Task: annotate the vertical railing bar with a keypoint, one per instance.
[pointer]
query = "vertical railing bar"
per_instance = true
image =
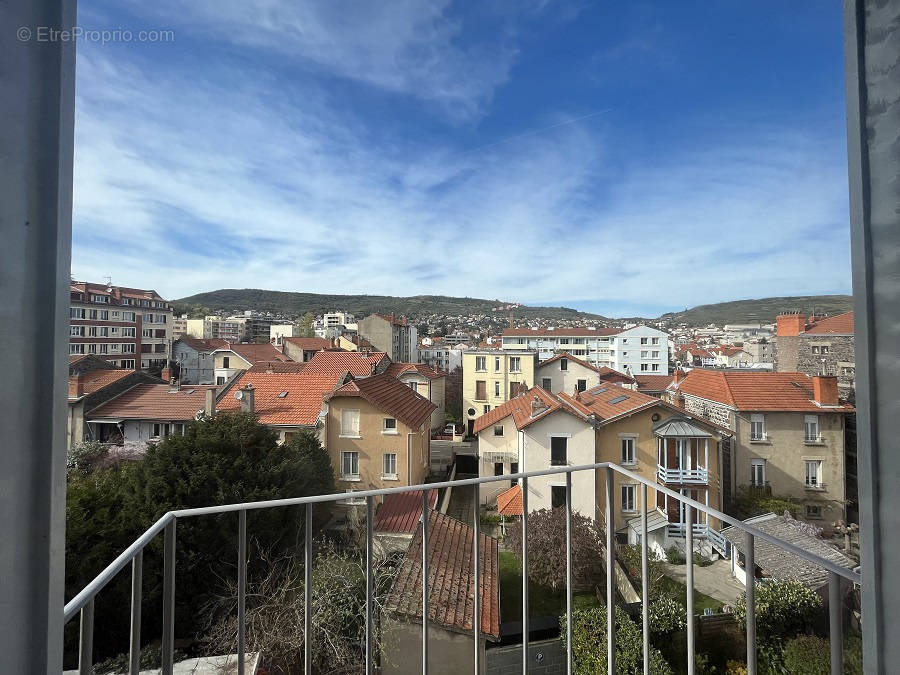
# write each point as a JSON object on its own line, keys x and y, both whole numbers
{"x": 134, "y": 645}
{"x": 610, "y": 576}
{"x": 307, "y": 591}
{"x": 425, "y": 516}
{"x": 569, "y": 573}
{"x": 836, "y": 628}
{"x": 689, "y": 560}
{"x": 86, "y": 640}
{"x": 370, "y": 581}
{"x": 476, "y": 564}
{"x": 525, "y": 575}
{"x": 167, "y": 656}
{"x": 241, "y": 589}
{"x": 750, "y": 573}
{"x": 645, "y": 580}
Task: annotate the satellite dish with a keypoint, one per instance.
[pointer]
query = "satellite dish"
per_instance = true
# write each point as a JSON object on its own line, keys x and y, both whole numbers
{"x": 239, "y": 394}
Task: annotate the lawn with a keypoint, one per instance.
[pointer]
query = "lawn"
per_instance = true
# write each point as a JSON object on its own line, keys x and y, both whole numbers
{"x": 677, "y": 589}
{"x": 542, "y": 600}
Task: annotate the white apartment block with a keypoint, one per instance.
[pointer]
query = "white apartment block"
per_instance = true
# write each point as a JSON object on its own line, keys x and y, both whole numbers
{"x": 642, "y": 349}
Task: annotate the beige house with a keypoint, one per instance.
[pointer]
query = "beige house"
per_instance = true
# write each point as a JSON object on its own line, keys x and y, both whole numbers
{"x": 427, "y": 381}
{"x": 566, "y": 373}
{"x": 302, "y": 349}
{"x": 230, "y": 359}
{"x": 492, "y": 377}
{"x": 378, "y": 433}
{"x": 788, "y": 430}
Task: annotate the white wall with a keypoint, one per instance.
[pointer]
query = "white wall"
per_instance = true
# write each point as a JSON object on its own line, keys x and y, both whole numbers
{"x": 628, "y": 351}
{"x": 565, "y": 380}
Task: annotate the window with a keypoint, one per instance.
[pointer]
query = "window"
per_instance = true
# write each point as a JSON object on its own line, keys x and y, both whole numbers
{"x": 76, "y": 312}
{"x": 76, "y": 331}
{"x": 158, "y": 430}
{"x": 100, "y": 298}
{"x": 624, "y": 341}
{"x": 498, "y": 431}
{"x": 582, "y": 385}
{"x": 564, "y": 364}
{"x": 814, "y": 473}
{"x": 390, "y": 425}
{"x": 654, "y": 366}
{"x": 349, "y": 422}
{"x": 390, "y": 465}
{"x": 515, "y": 364}
{"x": 557, "y": 496}
{"x": 758, "y": 472}
{"x": 811, "y": 428}
{"x": 128, "y": 332}
{"x": 414, "y": 386}
{"x": 558, "y": 446}
{"x": 643, "y": 341}
{"x": 226, "y": 361}
{"x": 545, "y": 383}
{"x": 127, "y": 316}
{"x": 480, "y": 363}
{"x": 497, "y": 388}
{"x": 128, "y": 363}
{"x": 76, "y": 348}
{"x": 496, "y": 364}
{"x": 498, "y": 468}
{"x": 627, "y": 445}
{"x": 655, "y": 341}
{"x": 514, "y": 467}
{"x": 486, "y": 409}
{"x": 628, "y": 498}
{"x": 128, "y": 348}
{"x": 480, "y": 390}
{"x": 644, "y": 353}
{"x": 220, "y": 380}
{"x": 757, "y": 427}
{"x": 813, "y": 511}
{"x": 178, "y": 429}
{"x": 624, "y": 354}
{"x": 820, "y": 349}
{"x": 350, "y": 465}
{"x": 645, "y": 367}
{"x": 655, "y": 355}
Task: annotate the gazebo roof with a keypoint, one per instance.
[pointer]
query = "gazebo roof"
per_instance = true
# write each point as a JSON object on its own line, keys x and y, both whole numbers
{"x": 679, "y": 427}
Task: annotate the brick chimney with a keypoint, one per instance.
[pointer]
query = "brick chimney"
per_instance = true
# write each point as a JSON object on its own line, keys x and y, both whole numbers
{"x": 76, "y": 386}
{"x": 166, "y": 374}
{"x": 248, "y": 404}
{"x": 825, "y": 389}
{"x": 677, "y": 376}
{"x": 790, "y": 324}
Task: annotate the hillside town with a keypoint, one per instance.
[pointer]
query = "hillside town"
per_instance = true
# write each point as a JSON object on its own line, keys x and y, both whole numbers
{"x": 752, "y": 420}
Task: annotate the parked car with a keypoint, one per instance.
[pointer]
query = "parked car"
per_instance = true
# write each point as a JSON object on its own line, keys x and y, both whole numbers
{"x": 451, "y": 429}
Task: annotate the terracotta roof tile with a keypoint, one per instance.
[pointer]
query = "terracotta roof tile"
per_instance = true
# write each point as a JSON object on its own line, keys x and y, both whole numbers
{"x": 432, "y": 373}
{"x": 509, "y": 502}
{"x": 609, "y": 401}
{"x": 521, "y": 409}
{"x": 358, "y": 364}
{"x": 201, "y": 345}
{"x": 745, "y": 390}
{"x": 451, "y": 583}
{"x": 94, "y": 380}
{"x": 401, "y": 512}
{"x": 277, "y": 367}
{"x": 154, "y": 402}
{"x": 566, "y": 355}
{"x": 841, "y": 324}
{"x": 389, "y": 394}
{"x": 310, "y": 344}
{"x": 300, "y": 407}
{"x": 254, "y": 353}
{"x": 653, "y": 382}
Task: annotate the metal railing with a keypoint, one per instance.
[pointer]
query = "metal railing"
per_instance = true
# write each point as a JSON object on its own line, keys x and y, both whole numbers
{"x": 679, "y": 530}
{"x": 83, "y": 602}
{"x": 698, "y": 475}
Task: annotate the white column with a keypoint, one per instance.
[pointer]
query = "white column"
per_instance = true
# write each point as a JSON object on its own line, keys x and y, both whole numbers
{"x": 706, "y": 453}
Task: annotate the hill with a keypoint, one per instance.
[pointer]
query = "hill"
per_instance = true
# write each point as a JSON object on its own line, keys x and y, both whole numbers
{"x": 763, "y": 310}
{"x": 229, "y": 300}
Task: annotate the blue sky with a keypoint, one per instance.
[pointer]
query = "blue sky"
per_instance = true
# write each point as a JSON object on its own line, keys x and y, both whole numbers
{"x": 623, "y": 158}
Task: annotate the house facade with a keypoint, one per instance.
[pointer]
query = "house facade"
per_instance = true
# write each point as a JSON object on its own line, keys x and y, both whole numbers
{"x": 302, "y": 349}
{"x": 818, "y": 346}
{"x": 567, "y": 373}
{"x": 194, "y": 359}
{"x": 427, "y": 381}
{"x": 491, "y": 377}
{"x": 390, "y": 334}
{"x": 230, "y": 359}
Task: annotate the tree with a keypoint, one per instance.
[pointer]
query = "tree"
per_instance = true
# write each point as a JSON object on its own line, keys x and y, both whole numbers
{"x": 227, "y": 459}
{"x": 749, "y": 504}
{"x": 589, "y": 644}
{"x": 305, "y": 326}
{"x": 547, "y": 547}
{"x": 453, "y": 394}
{"x": 784, "y": 608}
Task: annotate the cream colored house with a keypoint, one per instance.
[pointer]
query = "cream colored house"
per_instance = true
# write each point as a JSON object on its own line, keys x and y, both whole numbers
{"x": 566, "y": 373}
{"x": 427, "y": 381}
{"x": 493, "y": 377}
{"x": 377, "y": 433}
{"x": 233, "y": 358}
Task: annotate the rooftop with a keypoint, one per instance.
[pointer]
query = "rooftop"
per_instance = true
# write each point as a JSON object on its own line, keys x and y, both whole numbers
{"x": 154, "y": 402}
{"x": 254, "y": 353}
{"x": 841, "y": 324}
{"x": 358, "y": 364}
{"x": 94, "y": 380}
{"x": 286, "y": 399}
{"x": 400, "y": 513}
{"x": 310, "y": 344}
{"x": 509, "y": 502}
{"x": 398, "y": 369}
{"x": 389, "y": 394}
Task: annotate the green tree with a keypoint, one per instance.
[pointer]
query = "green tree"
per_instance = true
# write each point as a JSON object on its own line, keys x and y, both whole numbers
{"x": 784, "y": 608}
{"x": 304, "y": 326}
{"x": 589, "y": 644}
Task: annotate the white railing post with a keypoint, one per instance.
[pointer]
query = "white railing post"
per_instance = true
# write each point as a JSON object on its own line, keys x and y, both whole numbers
{"x": 750, "y": 574}
{"x": 134, "y": 646}
{"x": 836, "y": 629}
{"x": 476, "y": 562}
{"x": 86, "y": 640}
{"x": 241, "y": 589}
{"x": 689, "y": 561}
{"x": 645, "y": 579}
{"x": 307, "y": 591}
{"x": 525, "y": 575}
{"x": 425, "y": 515}
{"x": 610, "y": 575}
{"x": 569, "y": 573}
{"x": 168, "y": 634}
{"x": 370, "y": 583}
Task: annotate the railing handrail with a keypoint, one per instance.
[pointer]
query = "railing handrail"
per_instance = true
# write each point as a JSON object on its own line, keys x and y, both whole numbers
{"x": 104, "y": 577}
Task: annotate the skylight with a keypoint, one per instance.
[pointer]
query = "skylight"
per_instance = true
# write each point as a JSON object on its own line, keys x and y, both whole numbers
{"x": 282, "y": 394}
{"x": 599, "y": 390}
{"x": 617, "y": 399}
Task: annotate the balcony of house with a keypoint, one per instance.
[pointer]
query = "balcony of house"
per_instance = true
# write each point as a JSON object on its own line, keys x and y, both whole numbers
{"x": 682, "y": 451}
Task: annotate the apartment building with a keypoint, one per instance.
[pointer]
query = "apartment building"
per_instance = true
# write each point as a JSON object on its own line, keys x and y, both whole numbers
{"x": 130, "y": 327}
{"x": 640, "y": 349}
{"x": 788, "y": 434}
{"x": 491, "y": 377}
{"x": 377, "y": 433}
{"x": 232, "y": 329}
{"x": 392, "y": 335}
{"x": 818, "y": 346}
{"x": 441, "y": 356}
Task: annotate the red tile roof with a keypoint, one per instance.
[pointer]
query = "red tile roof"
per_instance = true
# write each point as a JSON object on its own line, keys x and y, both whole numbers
{"x": 390, "y": 395}
{"x": 562, "y": 332}
{"x": 521, "y": 409}
{"x": 154, "y": 402}
{"x": 254, "y": 353}
{"x": 310, "y": 344}
{"x": 94, "y": 380}
{"x": 842, "y": 324}
{"x": 744, "y": 390}
{"x": 451, "y": 582}
{"x": 202, "y": 345}
{"x": 300, "y": 407}
{"x": 397, "y": 369}
{"x": 400, "y": 513}
{"x": 396, "y": 320}
{"x": 509, "y": 502}
{"x": 609, "y": 375}
{"x": 566, "y": 355}
{"x": 277, "y": 367}
{"x": 609, "y": 401}
{"x": 653, "y": 382}
{"x": 358, "y": 364}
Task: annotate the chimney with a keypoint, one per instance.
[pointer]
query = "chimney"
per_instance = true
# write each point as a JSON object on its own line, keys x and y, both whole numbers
{"x": 677, "y": 376}
{"x": 537, "y": 406}
{"x": 825, "y": 389}
{"x": 248, "y": 404}
{"x": 209, "y": 404}
{"x": 790, "y": 324}
{"x": 76, "y": 386}
{"x": 269, "y": 368}
{"x": 173, "y": 386}
{"x": 166, "y": 374}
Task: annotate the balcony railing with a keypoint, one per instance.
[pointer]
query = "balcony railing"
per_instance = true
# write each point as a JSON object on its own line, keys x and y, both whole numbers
{"x": 679, "y": 530}
{"x": 760, "y": 489}
{"x": 698, "y": 475}
{"x": 83, "y": 602}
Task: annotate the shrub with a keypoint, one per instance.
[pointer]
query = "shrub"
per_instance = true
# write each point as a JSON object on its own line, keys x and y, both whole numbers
{"x": 666, "y": 616}
{"x": 735, "y": 668}
{"x": 807, "y": 655}
{"x": 784, "y": 608}
{"x": 749, "y": 504}
{"x": 674, "y": 556}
